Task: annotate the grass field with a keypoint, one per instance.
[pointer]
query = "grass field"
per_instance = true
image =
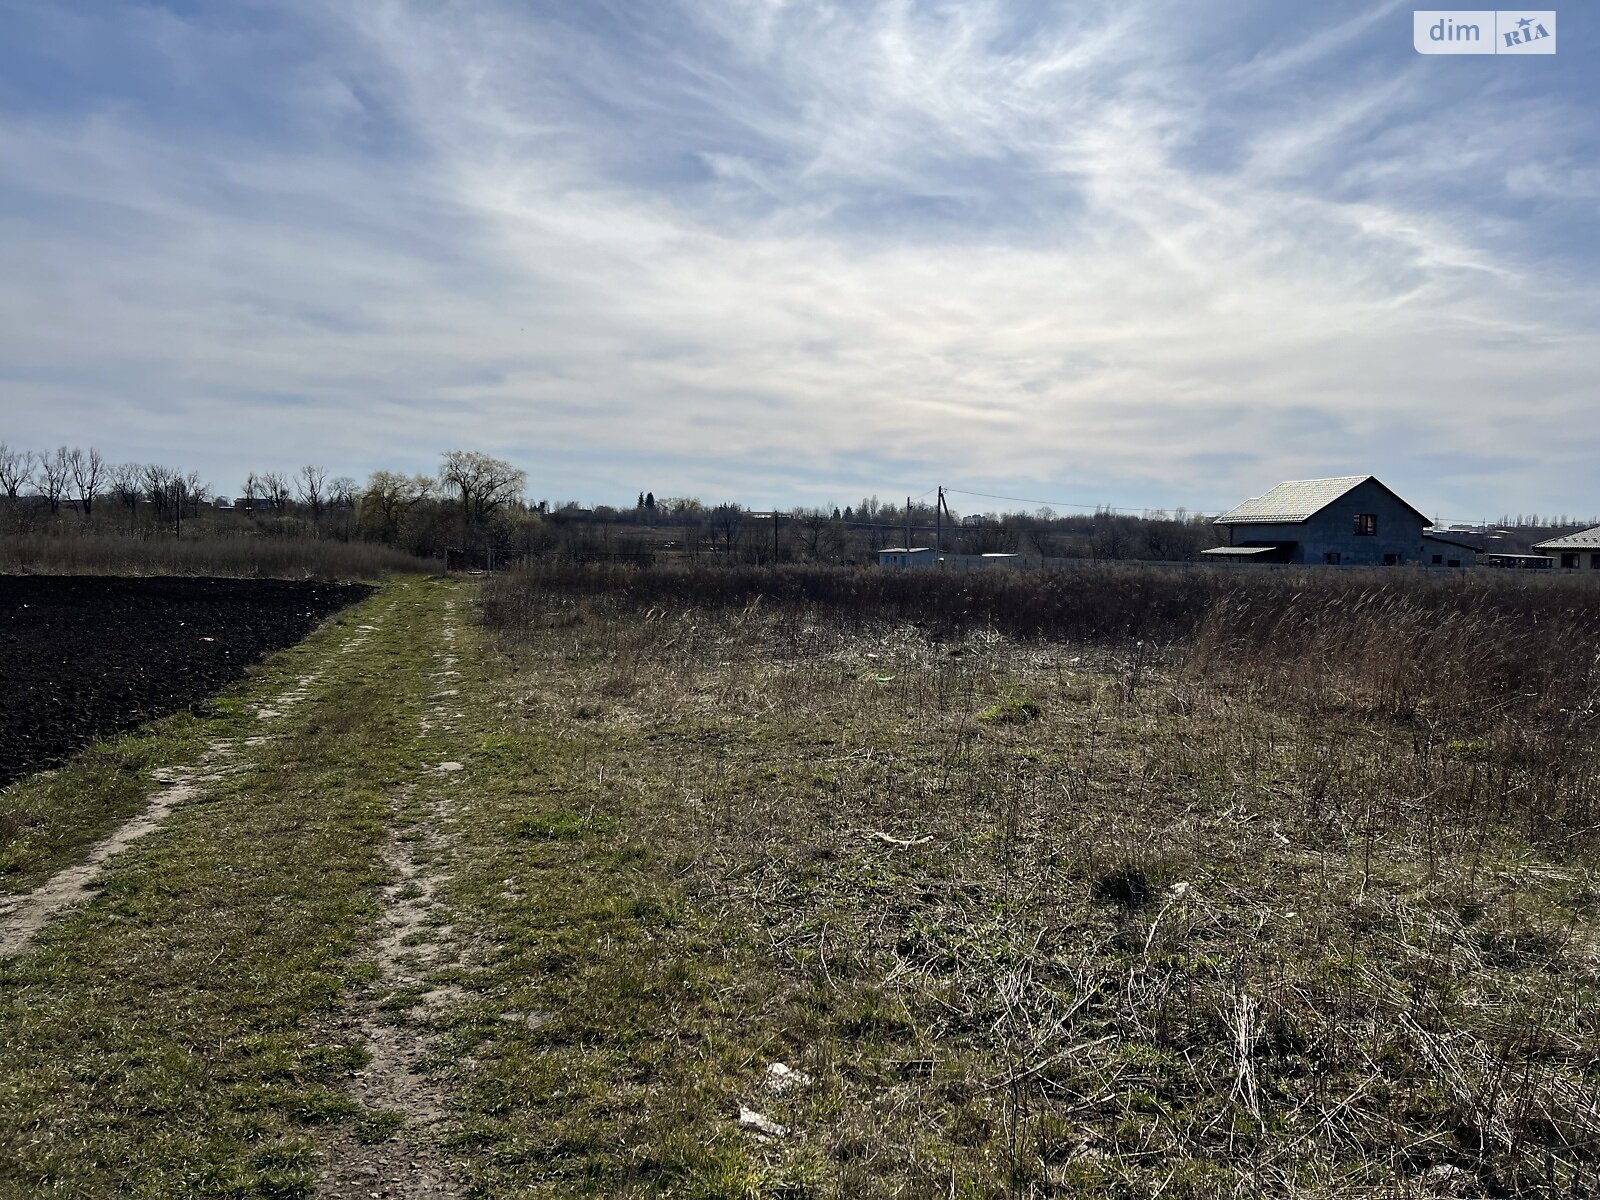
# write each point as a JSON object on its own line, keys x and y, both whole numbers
{"x": 539, "y": 908}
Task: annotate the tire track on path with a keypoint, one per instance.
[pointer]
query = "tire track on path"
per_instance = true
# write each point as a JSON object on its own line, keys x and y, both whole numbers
{"x": 392, "y": 1014}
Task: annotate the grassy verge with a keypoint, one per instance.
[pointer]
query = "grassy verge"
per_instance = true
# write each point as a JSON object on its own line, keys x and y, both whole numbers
{"x": 162, "y": 1040}
{"x": 50, "y": 820}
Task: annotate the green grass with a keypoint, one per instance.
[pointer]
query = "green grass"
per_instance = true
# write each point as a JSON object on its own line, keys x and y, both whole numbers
{"x": 172, "y": 1038}
{"x": 49, "y": 820}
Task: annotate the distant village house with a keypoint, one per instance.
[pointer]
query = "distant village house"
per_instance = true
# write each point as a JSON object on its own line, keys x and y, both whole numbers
{"x": 1349, "y": 520}
{"x": 1574, "y": 551}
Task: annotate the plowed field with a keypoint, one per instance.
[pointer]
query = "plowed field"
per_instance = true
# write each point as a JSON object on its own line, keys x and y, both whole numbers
{"x": 84, "y": 656}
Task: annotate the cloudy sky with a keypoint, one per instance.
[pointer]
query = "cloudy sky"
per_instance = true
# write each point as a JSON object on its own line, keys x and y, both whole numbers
{"x": 1145, "y": 253}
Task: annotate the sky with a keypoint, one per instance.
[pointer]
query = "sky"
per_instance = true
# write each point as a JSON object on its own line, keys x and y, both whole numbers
{"x": 1145, "y": 254}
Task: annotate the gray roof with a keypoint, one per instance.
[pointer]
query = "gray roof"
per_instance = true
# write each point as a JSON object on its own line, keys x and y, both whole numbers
{"x": 1298, "y": 500}
{"x": 1584, "y": 539}
{"x": 1430, "y": 536}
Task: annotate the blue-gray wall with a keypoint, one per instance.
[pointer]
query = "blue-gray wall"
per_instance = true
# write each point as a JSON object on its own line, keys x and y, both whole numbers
{"x": 1333, "y": 529}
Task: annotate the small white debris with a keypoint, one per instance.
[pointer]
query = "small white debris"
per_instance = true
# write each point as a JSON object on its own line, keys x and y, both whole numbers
{"x": 750, "y": 1119}
{"x": 781, "y": 1077}
{"x": 533, "y": 1020}
{"x": 1177, "y": 889}
{"x": 451, "y": 766}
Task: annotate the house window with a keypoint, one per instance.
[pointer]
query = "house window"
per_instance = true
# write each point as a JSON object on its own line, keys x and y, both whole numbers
{"x": 1455, "y": 562}
{"x": 1331, "y": 558}
{"x": 1569, "y": 562}
{"x": 1438, "y": 560}
{"x": 1366, "y": 524}
{"x": 1594, "y": 562}
{"x": 1391, "y": 560}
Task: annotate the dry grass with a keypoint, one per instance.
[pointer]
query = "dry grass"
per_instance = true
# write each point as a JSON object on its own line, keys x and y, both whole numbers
{"x": 224, "y": 557}
{"x": 1209, "y": 920}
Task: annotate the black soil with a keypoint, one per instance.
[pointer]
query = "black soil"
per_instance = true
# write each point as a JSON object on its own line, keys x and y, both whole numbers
{"x": 82, "y": 657}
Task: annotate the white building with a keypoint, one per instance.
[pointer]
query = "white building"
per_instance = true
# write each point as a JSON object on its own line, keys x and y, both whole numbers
{"x": 1574, "y": 551}
{"x": 902, "y": 557}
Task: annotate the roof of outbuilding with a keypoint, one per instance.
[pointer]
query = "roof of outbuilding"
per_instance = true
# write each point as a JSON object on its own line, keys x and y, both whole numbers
{"x": 1244, "y": 551}
{"x": 1452, "y": 541}
{"x": 1299, "y": 500}
{"x": 1584, "y": 539}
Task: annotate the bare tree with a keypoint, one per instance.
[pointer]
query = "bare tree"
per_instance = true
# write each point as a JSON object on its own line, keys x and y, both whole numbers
{"x": 275, "y": 487}
{"x": 51, "y": 478}
{"x": 1110, "y": 538}
{"x": 88, "y": 468}
{"x": 159, "y": 488}
{"x": 482, "y": 484}
{"x": 821, "y": 535}
{"x": 342, "y": 492}
{"x": 311, "y": 487}
{"x": 726, "y": 521}
{"x": 193, "y": 492}
{"x": 16, "y": 469}
{"x": 389, "y": 496}
{"x": 252, "y": 491}
{"x": 127, "y": 485}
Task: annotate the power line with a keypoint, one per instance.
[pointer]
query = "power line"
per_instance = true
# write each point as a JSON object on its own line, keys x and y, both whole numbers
{"x": 1077, "y": 504}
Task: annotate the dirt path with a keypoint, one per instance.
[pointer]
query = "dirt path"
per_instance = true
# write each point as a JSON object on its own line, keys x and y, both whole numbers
{"x": 392, "y": 1016}
{"x": 23, "y": 916}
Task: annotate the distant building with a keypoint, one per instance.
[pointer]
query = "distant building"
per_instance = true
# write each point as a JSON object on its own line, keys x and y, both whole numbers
{"x": 1448, "y": 550}
{"x": 902, "y": 557}
{"x": 1574, "y": 551}
{"x": 1349, "y": 520}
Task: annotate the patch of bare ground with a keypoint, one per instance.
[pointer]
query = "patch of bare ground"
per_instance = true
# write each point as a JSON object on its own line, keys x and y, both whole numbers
{"x": 398, "y": 1148}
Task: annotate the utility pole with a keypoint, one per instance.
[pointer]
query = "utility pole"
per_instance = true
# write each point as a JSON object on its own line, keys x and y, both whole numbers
{"x": 938, "y": 527}
{"x": 908, "y": 522}
{"x": 774, "y": 537}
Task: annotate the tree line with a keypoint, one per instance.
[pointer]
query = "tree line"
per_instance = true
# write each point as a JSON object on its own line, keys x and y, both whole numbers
{"x": 473, "y": 499}
{"x": 478, "y": 504}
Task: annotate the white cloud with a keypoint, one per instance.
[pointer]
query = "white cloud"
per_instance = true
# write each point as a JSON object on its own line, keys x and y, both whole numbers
{"x": 765, "y": 244}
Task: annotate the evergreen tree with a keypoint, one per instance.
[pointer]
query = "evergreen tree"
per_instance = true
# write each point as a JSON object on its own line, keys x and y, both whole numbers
{"x": 650, "y": 501}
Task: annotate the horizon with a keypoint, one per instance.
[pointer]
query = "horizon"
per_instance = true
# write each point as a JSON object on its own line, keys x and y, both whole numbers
{"x": 1131, "y": 257}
